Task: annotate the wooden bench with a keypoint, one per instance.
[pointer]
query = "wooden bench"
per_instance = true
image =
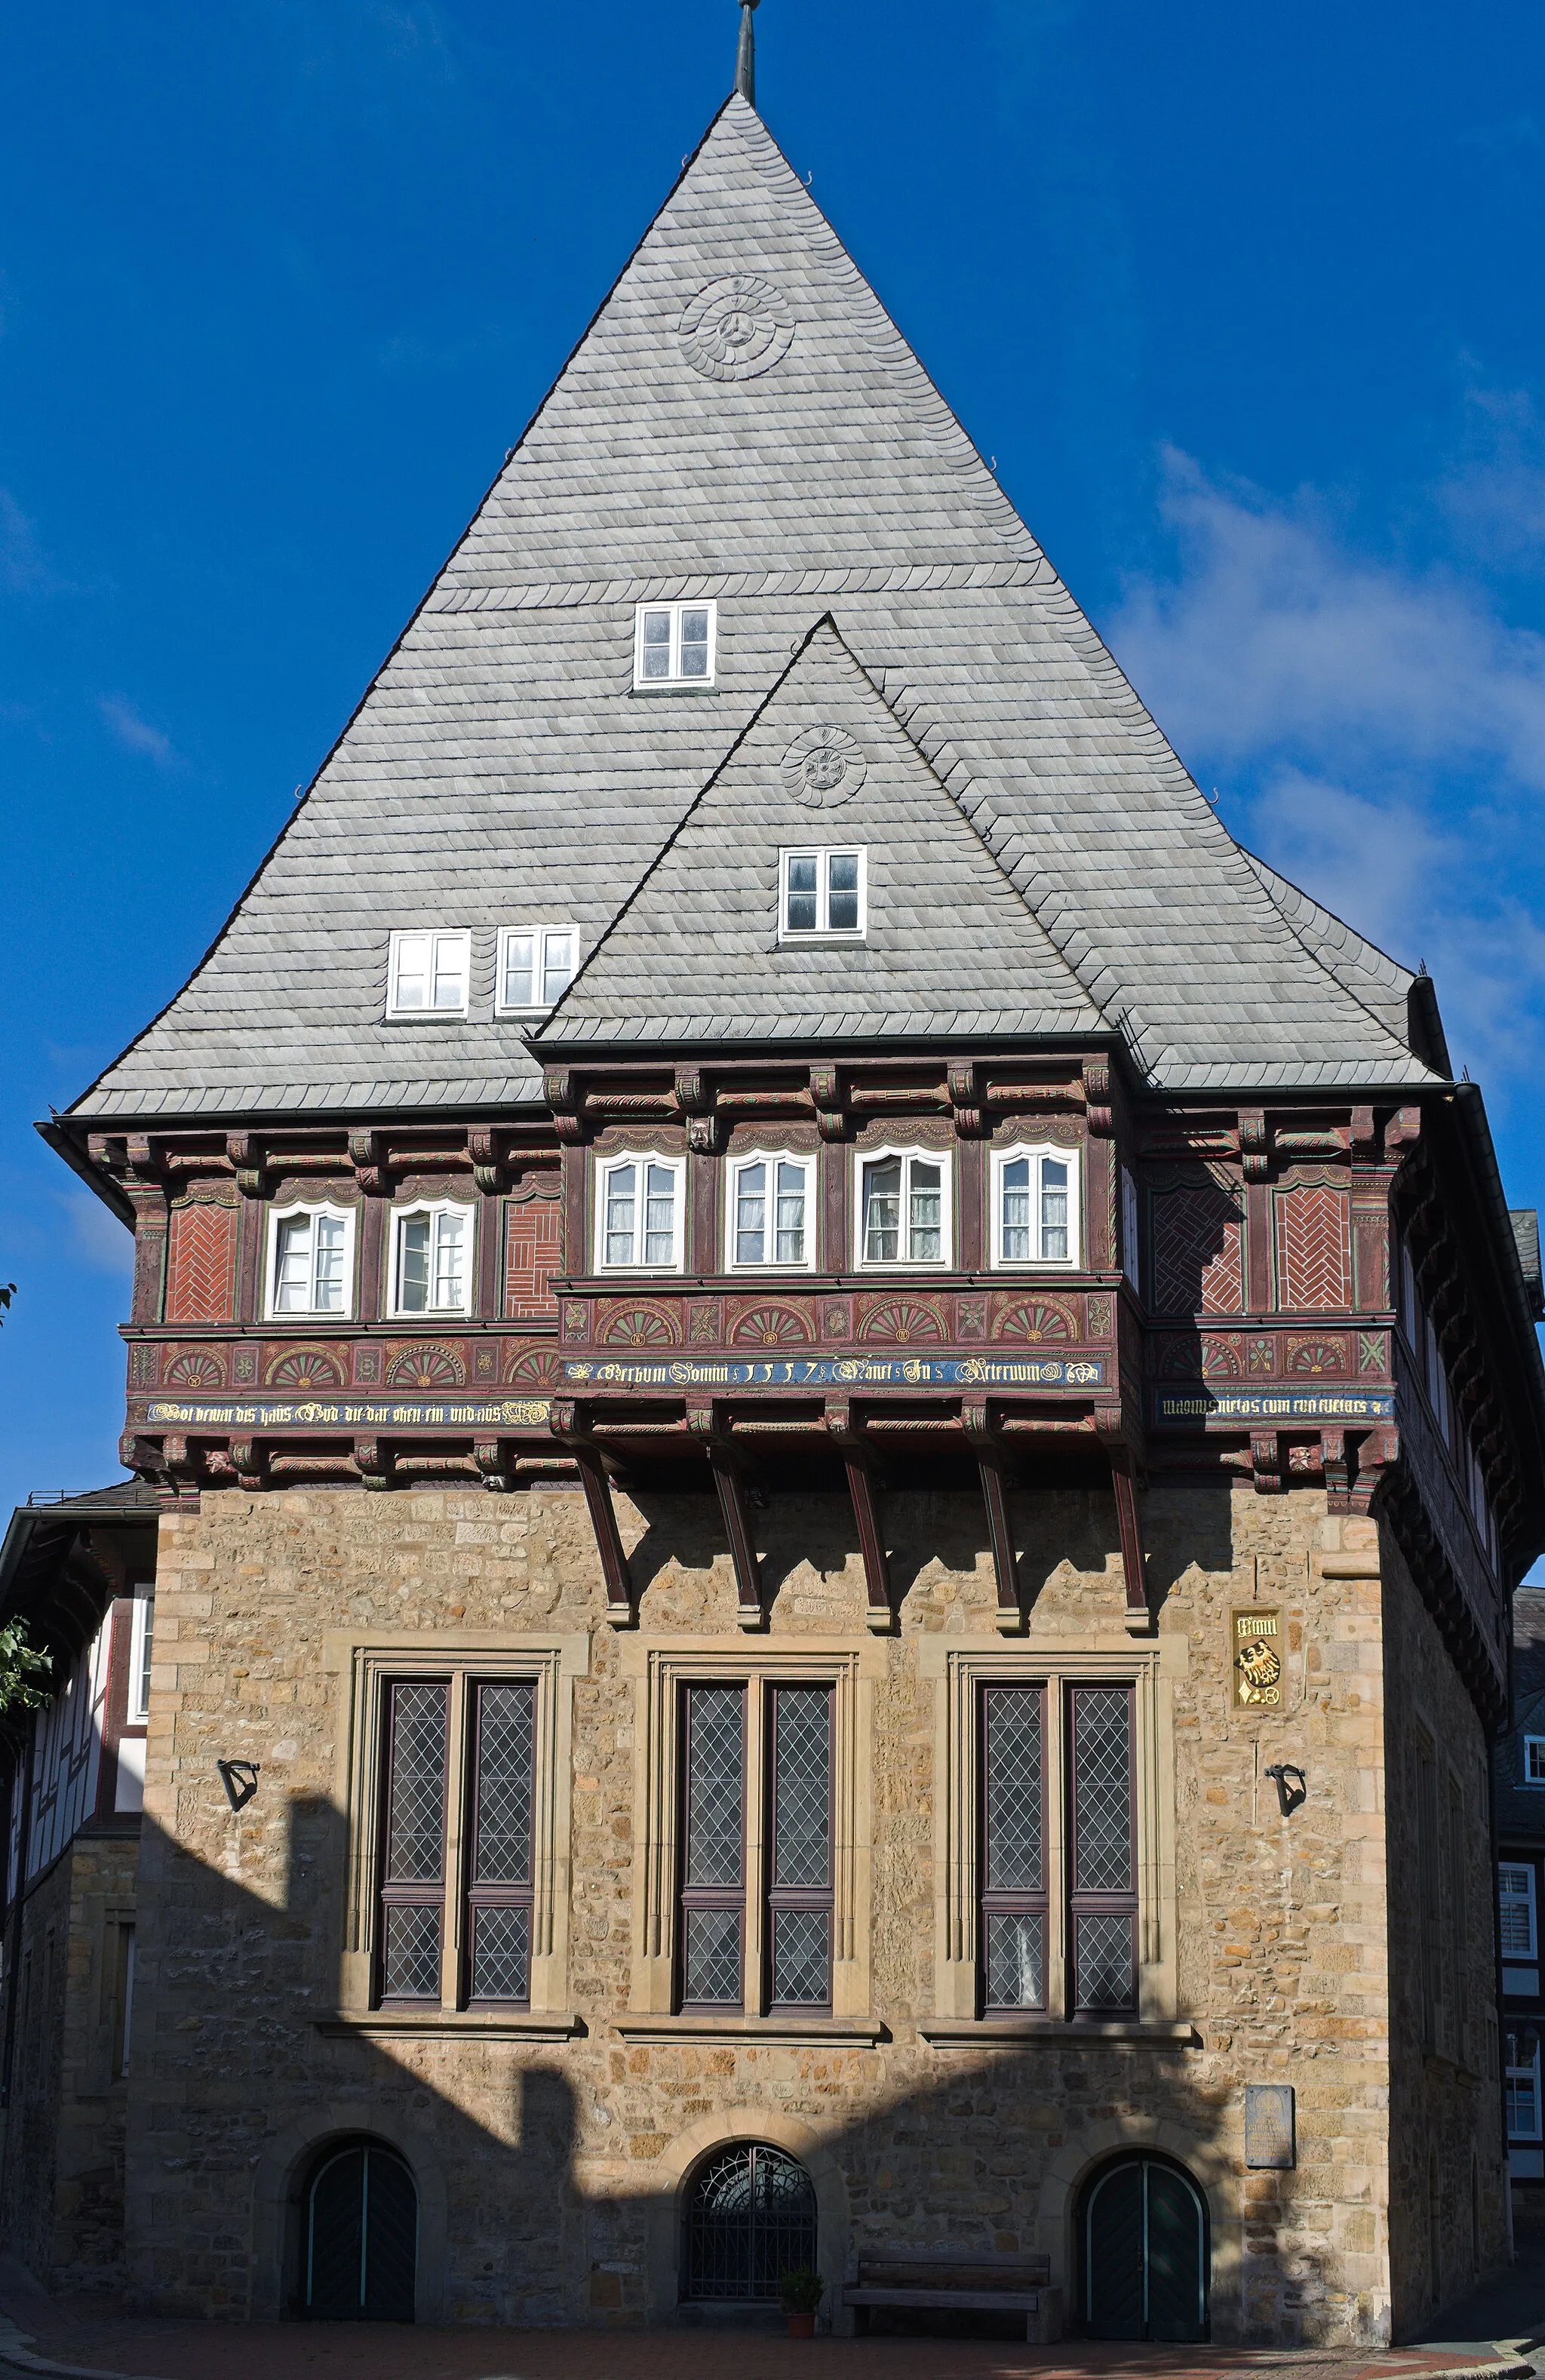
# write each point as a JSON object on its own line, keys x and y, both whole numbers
{"x": 961, "y": 2284}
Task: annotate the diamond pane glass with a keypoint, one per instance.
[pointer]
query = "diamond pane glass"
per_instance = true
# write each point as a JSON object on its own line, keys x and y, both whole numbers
{"x": 1016, "y": 1959}
{"x": 416, "y": 1816}
{"x": 1103, "y": 1961}
{"x": 1103, "y": 1789}
{"x": 801, "y": 1958}
{"x": 801, "y": 1785}
{"x": 1015, "y": 1790}
{"x": 410, "y": 1963}
{"x": 501, "y": 1954}
{"x": 715, "y": 1722}
{"x": 504, "y": 1832}
{"x": 712, "y": 1967}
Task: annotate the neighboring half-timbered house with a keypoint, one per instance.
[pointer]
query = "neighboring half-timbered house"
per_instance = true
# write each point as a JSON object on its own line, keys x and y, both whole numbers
{"x": 847, "y": 1415}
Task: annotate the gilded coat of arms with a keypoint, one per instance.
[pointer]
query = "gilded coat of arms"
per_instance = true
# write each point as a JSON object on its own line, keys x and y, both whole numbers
{"x": 1257, "y": 1659}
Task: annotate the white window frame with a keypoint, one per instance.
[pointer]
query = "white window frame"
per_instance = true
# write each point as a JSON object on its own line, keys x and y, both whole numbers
{"x": 1037, "y": 1152}
{"x": 906, "y": 1151}
{"x": 435, "y": 935}
{"x": 738, "y": 1162}
{"x": 278, "y": 1217}
{"x": 674, "y": 678}
{"x": 142, "y": 1643}
{"x": 432, "y": 1207}
{"x": 1513, "y": 2076}
{"x": 540, "y": 935}
{"x": 1533, "y": 1760}
{"x": 1526, "y": 1869}
{"x": 677, "y": 1166}
{"x": 822, "y": 932}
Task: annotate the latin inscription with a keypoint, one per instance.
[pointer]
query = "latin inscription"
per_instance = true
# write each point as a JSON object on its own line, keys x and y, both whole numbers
{"x": 1269, "y": 2126}
{"x": 855, "y": 1371}
{"x": 504, "y": 1412}
{"x": 1182, "y": 1406}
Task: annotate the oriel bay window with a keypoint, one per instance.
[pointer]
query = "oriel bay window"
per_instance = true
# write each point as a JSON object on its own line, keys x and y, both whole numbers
{"x": 771, "y": 1211}
{"x": 1035, "y": 1206}
{"x": 904, "y": 1208}
{"x": 757, "y": 1866}
{"x": 639, "y": 1214}
{"x": 456, "y": 1851}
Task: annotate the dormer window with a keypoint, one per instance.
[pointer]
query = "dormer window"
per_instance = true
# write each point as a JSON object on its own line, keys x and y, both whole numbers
{"x": 310, "y": 1262}
{"x": 536, "y": 966}
{"x": 821, "y": 895}
{"x": 673, "y": 644}
{"x": 431, "y": 1260}
{"x": 1035, "y": 1206}
{"x": 427, "y": 974}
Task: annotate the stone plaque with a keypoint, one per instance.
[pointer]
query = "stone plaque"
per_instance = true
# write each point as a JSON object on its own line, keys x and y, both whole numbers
{"x": 1256, "y": 1656}
{"x": 1270, "y": 2134}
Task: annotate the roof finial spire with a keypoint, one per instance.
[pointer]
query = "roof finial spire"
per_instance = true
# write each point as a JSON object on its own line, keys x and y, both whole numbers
{"x": 746, "y": 56}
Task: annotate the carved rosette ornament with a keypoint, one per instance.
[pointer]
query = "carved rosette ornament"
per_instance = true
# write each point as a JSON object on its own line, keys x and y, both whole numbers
{"x": 823, "y": 767}
{"x": 736, "y": 328}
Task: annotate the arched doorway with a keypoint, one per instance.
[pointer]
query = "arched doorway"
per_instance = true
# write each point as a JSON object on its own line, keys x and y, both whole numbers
{"x": 361, "y": 2236}
{"x": 749, "y": 2218}
{"x": 1143, "y": 2234}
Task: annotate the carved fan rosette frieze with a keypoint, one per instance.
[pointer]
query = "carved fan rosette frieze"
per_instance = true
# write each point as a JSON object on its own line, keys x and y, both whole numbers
{"x": 303, "y": 1368}
{"x": 901, "y": 1321}
{"x": 434, "y": 1366}
{"x": 1034, "y": 1322}
{"x": 770, "y": 1326}
{"x": 638, "y": 1323}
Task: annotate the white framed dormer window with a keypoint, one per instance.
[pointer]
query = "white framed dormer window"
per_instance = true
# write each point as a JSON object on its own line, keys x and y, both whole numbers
{"x": 310, "y": 1261}
{"x": 822, "y": 894}
{"x": 431, "y": 1260}
{"x": 673, "y": 644}
{"x": 142, "y": 1637}
{"x": 1035, "y": 1206}
{"x": 640, "y": 1213}
{"x": 427, "y": 974}
{"x": 1534, "y": 1759}
{"x": 905, "y": 1207}
{"x": 770, "y": 1212}
{"x": 536, "y": 964}
{"x": 1515, "y": 1902}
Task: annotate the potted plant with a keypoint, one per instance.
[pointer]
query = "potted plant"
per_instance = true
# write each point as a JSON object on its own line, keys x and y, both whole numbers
{"x": 802, "y": 2292}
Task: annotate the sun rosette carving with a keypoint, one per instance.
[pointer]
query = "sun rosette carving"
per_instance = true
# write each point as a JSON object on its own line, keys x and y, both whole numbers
{"x": 1181, "y": 1359}
{"x": 196, "y": 1367}
{"x": 1222, "y": 1359}
{"x": 536, "y": 1365}
{"x": 305, "y": 1367}
{"x": 434, "y": 1367}
{"x": 902, "y": 1321}
{"x": 639, "y": 1326}
{"x": 736, "y": 328}
{"x": 771, "y": 1326}
{"x": 823, "y": 767}
{"x": 1035, "y": 1320}
{"x": 1323, "y": 1358}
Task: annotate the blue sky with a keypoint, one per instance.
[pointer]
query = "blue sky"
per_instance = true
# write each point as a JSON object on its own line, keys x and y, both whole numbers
{"x": 1245, "y": 303}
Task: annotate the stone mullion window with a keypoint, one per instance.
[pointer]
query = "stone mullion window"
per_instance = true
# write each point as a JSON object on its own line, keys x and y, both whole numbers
{"x": 1102, "y": 1900}
{"x": 711, "y": 1931}
{"x": 1015, "y": 1913}
{"x": 411, "y": 1934}
{"x": 499, "y": 1851}
{"x": 798, "y": 1890}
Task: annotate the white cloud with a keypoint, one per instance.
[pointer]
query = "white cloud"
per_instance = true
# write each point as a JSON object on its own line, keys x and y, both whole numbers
{"x": 98, "y": 1237}
{"x": 135, "y": 733}
{"x": 1378, "y": 734}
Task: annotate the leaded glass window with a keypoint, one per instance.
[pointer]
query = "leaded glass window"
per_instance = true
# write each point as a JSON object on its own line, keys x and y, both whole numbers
{"x": 713, "y": 1896}
{"x": 1103, "y": 1904}
{"x": 799, "y": 1893}
{"x": 1013, "y": 1847}
{"x": 413, "y": 1874}
{"x": 499, "y": 1889}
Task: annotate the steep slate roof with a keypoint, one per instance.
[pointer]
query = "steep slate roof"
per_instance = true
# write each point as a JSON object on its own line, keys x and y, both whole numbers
{"x": 950, "y": 950}
{"x": 501, "y": 769}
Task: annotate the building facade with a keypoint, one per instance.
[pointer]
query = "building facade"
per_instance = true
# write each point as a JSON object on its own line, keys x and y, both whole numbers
{"x": 1519, "y": 1764}
{"x": 845, "y": 1415}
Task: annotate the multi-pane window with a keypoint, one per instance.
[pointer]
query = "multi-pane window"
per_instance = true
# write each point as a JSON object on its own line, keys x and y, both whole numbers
{"x": 639, "y": 1214}
{"x": 310, "y": 1261}
{"x": 769, "y": 1220}
{"x": 1087, "y": 1931}
{"x": 673, "y": 644}
{"x": 427, "y": 974}
{"x": 904, "y": 1209}
{"x": 821, "y": 892}
{"x": 432, "y": 1261}
{"x": 456, "y": 1857}
{"x": 1516, "y": 1914}
{"x": 1534, "y": 1759}
{"x": 142, "y": 1633}
{"x": 1523, "y": 2086}
{"x": 536, "y": 966}
{"x": 1035, "y": 1206}
{"x": 755, "y": 1879}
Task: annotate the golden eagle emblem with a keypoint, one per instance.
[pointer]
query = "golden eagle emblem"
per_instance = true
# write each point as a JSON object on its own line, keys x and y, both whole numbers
{"x": 1260, "y": 1671}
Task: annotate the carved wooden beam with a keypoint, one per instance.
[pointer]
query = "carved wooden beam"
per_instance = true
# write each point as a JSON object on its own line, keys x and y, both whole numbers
{"x": 863, "y": 1490}
{"x": 1097, "y": 1095}
{"x": 1110, "y": 1427}
{"x": 245, "y": 1152}
{"x": 566, "y": 1100}
{"x": 1334, "y": 1463}
{"x": 495, "y": 1460}
{"x": 1254, "y": 1145}
{"x": 568, "y": 1423}
{"x": 375, "y": 1462}
{"x": 831, "y": 1106}
{"x": 1268, "y": 1462}
{"x": 367, "y": 1154}
{"x": 967, "y": 1099}
{"x": 488, "y": 1169}
{"x": 1378, "y": 1454}
{"x": 695, "y": 1098}
{"x": 993, "y": 1467}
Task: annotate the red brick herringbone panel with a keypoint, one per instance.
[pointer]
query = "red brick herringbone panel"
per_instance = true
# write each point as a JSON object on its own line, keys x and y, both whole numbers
{"x": 1314, "y": 1247}
{"x": 1198, "y": 1253}
{"x": 533, "y": 1251}
{"x": 201, "y": 1281}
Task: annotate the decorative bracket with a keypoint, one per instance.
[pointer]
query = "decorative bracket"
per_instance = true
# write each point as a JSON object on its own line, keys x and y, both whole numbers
{"x": 569, "y": 1424}
{"x": 1097, "y": 1097}
{"x": 1255, "y": 1147}
{"x": 1334, "y": 1463}
{"x": 705, "y": 1424}
{"x": 367, "y": 1154}
{"x": 245, "y": 1152}
{"x": 1111, "y": 1430}
{"x": 992, "y": 1463}
{"x": 694, "y": 1097}
{"x": 863, "y": 1489}
{"x": 1268, "y": 1462}
{"x": 1377, "y": 1454}
{"x": 566, "y": 1100}
{"x": 488, "y": 1171}
{"x": 249, "y": 1462}
{"x": 967, "y": 1099}
{"x": 375, "y": 1462}
{"x": 495, "y": 1460}
{"x": 830, "y": 1101}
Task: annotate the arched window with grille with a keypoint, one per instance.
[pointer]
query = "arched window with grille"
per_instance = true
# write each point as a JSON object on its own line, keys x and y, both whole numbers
{"x": 749, "y": 2218}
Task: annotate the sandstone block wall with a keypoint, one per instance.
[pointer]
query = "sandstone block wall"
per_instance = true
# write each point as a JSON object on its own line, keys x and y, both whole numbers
{"x": 549, "y": 2172}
